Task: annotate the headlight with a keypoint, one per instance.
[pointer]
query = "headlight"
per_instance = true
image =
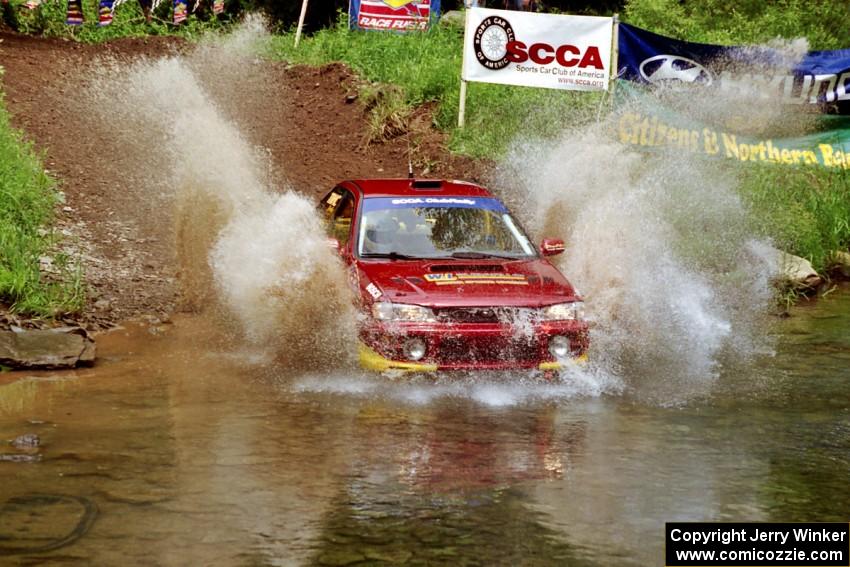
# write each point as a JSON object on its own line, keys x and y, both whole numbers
{"x": 563, "y": 311}
{"x": 559, "y": 346}
{"x": 386, "y": 311}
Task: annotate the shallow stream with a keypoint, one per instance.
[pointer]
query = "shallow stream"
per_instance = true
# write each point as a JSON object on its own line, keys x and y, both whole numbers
{"x": 182, "y": 449}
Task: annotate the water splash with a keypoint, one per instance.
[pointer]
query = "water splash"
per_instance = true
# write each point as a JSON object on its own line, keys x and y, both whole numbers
{"x": 661, "y": 248}
{"x": 245, "y": 242}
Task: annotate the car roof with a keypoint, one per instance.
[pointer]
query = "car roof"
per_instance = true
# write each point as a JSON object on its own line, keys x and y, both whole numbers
{"x": 418, "y": 187}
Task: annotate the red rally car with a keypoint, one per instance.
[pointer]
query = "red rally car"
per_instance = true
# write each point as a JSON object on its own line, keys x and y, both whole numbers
{"x": 446, "y": 279}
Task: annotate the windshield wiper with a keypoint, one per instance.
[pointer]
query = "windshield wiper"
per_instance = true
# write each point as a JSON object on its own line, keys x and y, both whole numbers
{"x": 480, "y": 256}
{"x": 390, "y": 255}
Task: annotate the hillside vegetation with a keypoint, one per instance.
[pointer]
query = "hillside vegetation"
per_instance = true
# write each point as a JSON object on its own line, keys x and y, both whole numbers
{"x": 804, "y": 210}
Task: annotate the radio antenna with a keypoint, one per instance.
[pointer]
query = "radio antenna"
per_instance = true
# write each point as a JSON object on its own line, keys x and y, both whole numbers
{"x": 409, "y": 159}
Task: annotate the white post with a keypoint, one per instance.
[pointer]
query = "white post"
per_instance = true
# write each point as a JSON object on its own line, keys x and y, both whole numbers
{"x": 612, "y": 74}
{"x": 300, "y": 22}
{"x": 461, "y": 111}
{"x": 615, "y": 54}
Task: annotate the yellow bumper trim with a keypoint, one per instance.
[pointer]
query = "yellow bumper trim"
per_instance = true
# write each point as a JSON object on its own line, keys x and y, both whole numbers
{"x": 371, "y": 360}
{"x": 558, "y": 366}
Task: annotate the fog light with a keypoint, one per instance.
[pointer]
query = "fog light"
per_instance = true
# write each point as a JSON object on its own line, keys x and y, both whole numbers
{"x": 414, "y": 349}
{"x": 559, "y": 346}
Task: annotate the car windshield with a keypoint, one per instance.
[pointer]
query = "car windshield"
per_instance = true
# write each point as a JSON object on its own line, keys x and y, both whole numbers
{"x": 439, "y": 227}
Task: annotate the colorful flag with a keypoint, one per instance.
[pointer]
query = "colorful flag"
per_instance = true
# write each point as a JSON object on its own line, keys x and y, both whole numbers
{"x": 75, "y": 13}
{"x": 104, "y": 16}
{"x": 180, "y": 11}
{"x": 218, "y": 6}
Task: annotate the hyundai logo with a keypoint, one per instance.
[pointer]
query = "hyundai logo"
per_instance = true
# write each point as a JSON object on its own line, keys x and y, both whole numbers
{"x": 669, "y": 69}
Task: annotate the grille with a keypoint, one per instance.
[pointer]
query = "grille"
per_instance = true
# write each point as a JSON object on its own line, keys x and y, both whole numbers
{"x": 507, "y": 315}
{"x": 459, "y": 349}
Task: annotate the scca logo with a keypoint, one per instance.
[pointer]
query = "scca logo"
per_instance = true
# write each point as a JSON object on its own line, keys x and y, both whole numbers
{"x": 496, "y": 47}
{"x": 491, "y": 42}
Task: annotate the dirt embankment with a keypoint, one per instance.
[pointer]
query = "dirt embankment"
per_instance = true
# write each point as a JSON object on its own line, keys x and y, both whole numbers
{"x": 305, "y": 118}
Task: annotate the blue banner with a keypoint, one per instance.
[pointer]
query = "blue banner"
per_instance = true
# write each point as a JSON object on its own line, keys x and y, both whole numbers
{"x": 393, "y": 15}
{"x": 819, "y": 78}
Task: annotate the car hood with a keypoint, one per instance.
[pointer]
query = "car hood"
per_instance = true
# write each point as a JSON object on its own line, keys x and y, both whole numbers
{"x": 526, "y": 283}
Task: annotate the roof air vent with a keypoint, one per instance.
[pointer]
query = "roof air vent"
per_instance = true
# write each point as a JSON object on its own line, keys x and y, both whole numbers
{"x": 427, "y": 184}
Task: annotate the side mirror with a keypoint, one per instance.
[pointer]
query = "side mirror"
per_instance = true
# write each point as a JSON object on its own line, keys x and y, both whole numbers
{"x": 552, "y": 246}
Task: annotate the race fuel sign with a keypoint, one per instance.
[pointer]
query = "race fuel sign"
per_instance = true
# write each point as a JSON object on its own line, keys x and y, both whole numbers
{"x": 537, "y": 50}
{"x": 393, "y": 15}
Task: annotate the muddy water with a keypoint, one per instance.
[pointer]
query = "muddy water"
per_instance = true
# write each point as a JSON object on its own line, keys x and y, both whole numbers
{"x": 178, "y": 449}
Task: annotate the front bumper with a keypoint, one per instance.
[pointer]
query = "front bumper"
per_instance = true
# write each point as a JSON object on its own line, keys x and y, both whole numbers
{"x": 469, "y": 346}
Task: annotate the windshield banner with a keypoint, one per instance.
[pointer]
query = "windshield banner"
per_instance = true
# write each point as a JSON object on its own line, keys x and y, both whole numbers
{"x": 392, "y": 15}
{"x": 379, "y": 203}
{"x": 813, "y": 78}
{"x": 537, "y": 50}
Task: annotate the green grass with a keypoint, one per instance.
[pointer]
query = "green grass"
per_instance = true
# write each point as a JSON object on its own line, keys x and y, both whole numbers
{"x": 27, "y": 199}
{"x": 805, "y": 211}
{"x": 426, "y": 67}
{"x": 822, "y": 23}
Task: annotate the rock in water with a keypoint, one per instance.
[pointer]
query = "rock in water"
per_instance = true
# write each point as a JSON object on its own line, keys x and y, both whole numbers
{"x": 64, "y": 347}
{"x": 19, "y": 458}
{"x": 26, "y": 441}
{"x": 798, "y": 272}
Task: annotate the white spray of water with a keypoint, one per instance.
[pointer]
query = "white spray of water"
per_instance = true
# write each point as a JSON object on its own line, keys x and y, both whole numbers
{"x": 497, "y": 391}
{"x": 659, "y": 246}
{"x": 241, "y": 244}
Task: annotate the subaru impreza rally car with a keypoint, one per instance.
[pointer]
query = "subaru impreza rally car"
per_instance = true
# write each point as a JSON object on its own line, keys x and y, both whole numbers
{"x": 447, "y": 280}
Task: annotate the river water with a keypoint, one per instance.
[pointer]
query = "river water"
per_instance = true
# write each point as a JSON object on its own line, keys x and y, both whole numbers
{"x": 180, "y": 449}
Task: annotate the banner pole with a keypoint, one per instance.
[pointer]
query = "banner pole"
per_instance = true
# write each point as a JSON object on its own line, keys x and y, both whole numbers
{"x": 612, "y": 75}
{"x": 301, "y": 22}
{"x": 461, "y": 111}
{"x": 615, "y": 54}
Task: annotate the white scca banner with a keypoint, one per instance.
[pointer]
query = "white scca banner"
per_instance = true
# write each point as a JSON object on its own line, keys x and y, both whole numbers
{"x": 537, "y": 50}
